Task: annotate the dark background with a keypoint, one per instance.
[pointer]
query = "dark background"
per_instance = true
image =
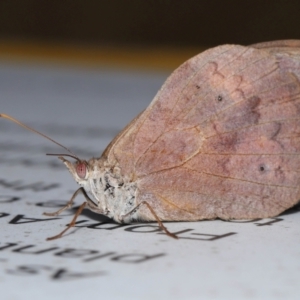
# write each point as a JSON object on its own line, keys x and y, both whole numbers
{"x": 150, "y": 22}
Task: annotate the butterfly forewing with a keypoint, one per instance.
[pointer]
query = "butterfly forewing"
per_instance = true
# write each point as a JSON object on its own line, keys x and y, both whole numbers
{"x": 221, "y": 138}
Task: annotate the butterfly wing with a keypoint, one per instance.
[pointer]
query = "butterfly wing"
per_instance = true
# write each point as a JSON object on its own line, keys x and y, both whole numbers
{"x": 221, "y": 138}
{"x": 274, "y": 46}
{"x": 129, "y": 148}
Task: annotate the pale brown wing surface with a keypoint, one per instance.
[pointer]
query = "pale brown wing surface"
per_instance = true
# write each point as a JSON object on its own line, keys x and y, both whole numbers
{"x": 141, "y": 141}
{"x": 274, "y": 45}
{"x": 119, "y": 136}
{"x": 241, "y": 105}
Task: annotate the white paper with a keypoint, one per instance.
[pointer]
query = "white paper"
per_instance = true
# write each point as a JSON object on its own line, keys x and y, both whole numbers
{"x": 83, "y": 109}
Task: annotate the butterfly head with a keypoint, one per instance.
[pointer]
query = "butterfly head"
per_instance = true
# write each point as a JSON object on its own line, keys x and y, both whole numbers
{"x": 79, "y": 169}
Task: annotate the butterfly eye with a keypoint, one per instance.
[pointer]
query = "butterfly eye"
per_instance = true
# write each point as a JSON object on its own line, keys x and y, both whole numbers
{"x": 81, "y": 170}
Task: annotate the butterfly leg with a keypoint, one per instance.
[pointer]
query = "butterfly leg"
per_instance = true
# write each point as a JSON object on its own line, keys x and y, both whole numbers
{"x": 89, "y": 202}
{"x": 68, "y": 205}
{"x": 161, "y": 225}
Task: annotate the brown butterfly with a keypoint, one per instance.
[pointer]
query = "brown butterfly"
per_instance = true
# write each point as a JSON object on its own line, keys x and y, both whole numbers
{"x": 221, "y": 139}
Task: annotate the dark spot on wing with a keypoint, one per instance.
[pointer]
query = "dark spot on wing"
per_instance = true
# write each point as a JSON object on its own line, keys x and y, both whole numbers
{"x": 226, "y": 142}
{"x": 262, "y": 168}
{"x": 244, "y": 114}
{"x": 277, "y": 128}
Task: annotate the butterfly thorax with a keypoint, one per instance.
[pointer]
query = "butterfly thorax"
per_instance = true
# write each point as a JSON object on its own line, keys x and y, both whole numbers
{"x": 113, "y": 194}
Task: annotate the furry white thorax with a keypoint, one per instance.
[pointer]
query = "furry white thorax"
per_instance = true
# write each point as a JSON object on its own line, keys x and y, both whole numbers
{"x": 115, "y": 195}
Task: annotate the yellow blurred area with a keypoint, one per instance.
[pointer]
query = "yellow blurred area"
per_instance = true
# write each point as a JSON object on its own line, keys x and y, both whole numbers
{"x": 151, "y": 58}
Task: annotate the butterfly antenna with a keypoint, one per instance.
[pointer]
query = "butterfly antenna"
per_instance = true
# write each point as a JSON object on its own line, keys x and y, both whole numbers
{"x": 35, "y": 131}
{"x": 64, "y": 155}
